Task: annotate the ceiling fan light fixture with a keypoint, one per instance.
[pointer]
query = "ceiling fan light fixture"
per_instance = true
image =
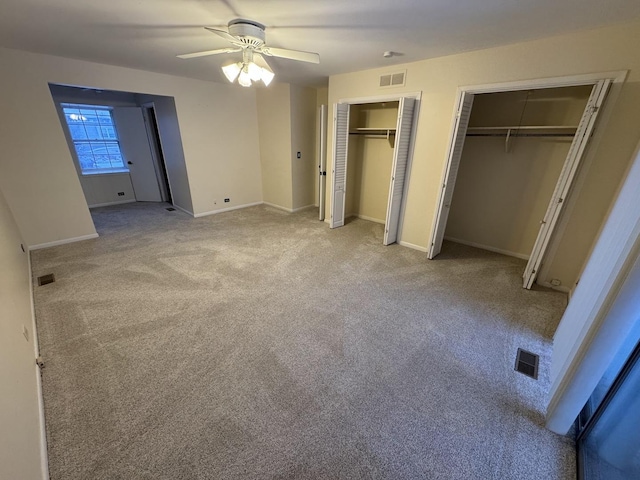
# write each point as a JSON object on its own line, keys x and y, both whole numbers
{"x": 232, "y": 70}
{"x": 244, "y": 78}
{"x": 255, "y": 72}
{"x": 267, "y": 76}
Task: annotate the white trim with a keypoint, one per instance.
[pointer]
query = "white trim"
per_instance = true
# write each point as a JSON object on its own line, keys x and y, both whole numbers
{"x": 44, "y": 458}
{"x": 391, "y": 97}
{"x": 299, "y": 209}
{"x": 559, "y": 288}
{"x": 63, "y": 241}
{"x": 617, "y": 76}
{"x": 602, "y": 310}
{"x": 222, "y": 210}
{"x": 279, "y": 207}
{"x": 488, "y": 247}
{"x": 411, "y": 245}
{"x": 108, "y": 204}
{"x": 183, "y": 210}
{"x": 364, "y": 217}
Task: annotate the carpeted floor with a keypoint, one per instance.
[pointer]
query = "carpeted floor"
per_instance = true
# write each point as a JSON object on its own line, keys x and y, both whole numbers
{"x": 261, "y": 344}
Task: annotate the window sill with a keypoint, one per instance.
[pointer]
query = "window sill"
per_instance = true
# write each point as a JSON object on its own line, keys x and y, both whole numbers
{"x": 104, "y": 172}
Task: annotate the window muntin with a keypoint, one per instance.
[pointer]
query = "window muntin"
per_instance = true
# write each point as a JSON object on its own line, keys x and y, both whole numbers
{"x": 95, "y": 138}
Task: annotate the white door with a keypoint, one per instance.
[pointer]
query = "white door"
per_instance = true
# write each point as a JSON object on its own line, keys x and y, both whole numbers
{"x": 463, "y": 113}
{"x": 399, "y": 168}
{"x": 548, "y": 223}
{"x": 322, "y": 160}
{"x": 134, "y": 144}
{"x": 339, "y": 170}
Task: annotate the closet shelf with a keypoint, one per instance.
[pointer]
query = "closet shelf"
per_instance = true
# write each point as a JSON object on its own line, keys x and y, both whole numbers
{"x": 524, "y": 131}
{"x": 373, "y": 132}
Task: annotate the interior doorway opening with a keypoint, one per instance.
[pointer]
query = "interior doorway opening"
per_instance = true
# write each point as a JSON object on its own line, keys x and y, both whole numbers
{"x": 373, "y": 143}
{"x": 550, "y": 112}
{"x": 133, "y": 166}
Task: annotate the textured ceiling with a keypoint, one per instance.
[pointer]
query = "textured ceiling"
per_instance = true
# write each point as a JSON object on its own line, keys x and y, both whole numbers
{"x": 349, "y": 35}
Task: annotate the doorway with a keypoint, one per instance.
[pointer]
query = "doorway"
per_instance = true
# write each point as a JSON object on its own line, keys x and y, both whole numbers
{"x": 580, "y": 133}
{"x": 373, "y": 142}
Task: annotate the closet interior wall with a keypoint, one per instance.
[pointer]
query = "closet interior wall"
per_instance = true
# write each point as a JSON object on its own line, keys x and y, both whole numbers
{"x": 503, "y": 187}
{"x": 369, "y": 160}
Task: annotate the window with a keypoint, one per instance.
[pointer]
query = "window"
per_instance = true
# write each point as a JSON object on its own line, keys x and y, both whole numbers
{"x": 94, "y": 138}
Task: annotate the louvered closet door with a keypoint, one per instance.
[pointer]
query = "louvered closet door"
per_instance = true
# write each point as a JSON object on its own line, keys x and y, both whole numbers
{"x": 339, "y": 169}
{"x": 399, "y": 168}
{"x": 571, "y": 164}
{"x": 463, "y": 114}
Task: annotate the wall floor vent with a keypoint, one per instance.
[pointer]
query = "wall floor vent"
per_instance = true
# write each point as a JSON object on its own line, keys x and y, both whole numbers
{"x": 527, "y": 363}
{"x": 46, "y": 279}
{"x": 171, "y": 209}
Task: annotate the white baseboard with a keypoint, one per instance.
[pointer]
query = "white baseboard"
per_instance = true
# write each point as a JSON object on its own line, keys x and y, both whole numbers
{"x": 370, "y": 219}
{"x": 299, "y": 209}
{"x": 415, "y": 247}
{"x": 559, "y": 288}
{"x": 183, "y": 210}
{"x": 63, "y": 241}
{"x": 108, "y": 204}
{"x": 222, "y": 210}
{"x": 487, "y": 247}
{"x": 44, "y": 459}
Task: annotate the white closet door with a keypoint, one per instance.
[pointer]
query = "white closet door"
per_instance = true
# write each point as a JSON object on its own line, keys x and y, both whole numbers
{"x": 134, "y": 144}
{"x": 399, "y": 168}
{"x": 322, "y": 160}
{"x": 547, "y": 225}
{"x": 339, "y": 171}
{"x": 463, "y": 115}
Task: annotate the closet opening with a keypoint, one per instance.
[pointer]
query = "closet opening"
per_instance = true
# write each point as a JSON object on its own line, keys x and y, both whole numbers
{"x": 513, "y": 157}
{"x": 372, "y": 149}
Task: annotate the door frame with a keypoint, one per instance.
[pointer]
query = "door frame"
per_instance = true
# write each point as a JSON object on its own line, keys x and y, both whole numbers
{"x": 162, "y": 174}
{"x": 616, "y": 77}
{"x": 395, "y": 97}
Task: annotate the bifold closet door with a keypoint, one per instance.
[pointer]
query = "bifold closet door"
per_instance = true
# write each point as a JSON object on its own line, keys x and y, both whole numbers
{"x": 576, "y": 152}
{"x": 463, "y": 114}
{"x": 339, "y": 169}
{"x": 399, "y": 168}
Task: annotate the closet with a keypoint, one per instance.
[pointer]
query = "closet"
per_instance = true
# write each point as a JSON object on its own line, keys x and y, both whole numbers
{"x": 371, "y": 153}
{"x": 372, "y": 134}
{"x": 512, "y": 161}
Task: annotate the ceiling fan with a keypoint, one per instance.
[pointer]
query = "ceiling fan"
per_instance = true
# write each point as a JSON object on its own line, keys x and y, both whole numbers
{"x": 248, "y": 37}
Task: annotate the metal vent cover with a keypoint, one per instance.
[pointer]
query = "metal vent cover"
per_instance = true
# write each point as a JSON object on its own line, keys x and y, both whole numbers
{"x": 527, "y": 363}
{"x": 46, "y": 279}
{"x": 392, "y": 79}
{"x": 171, "y": 209}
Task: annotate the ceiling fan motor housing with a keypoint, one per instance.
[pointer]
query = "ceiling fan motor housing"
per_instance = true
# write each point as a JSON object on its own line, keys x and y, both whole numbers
{"x": 248, "y": 32}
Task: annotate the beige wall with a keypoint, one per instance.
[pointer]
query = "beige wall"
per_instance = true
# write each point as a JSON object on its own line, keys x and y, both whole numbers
{"x": 369, "y": 162}
{"x": 303, "y": 140}
{"x": 501, "y": 196}
{"x": 274, "y": 120}
{"x": 600, "y": 50}
{"x": 20, "y": 436}
{"x": 218, "y": 124}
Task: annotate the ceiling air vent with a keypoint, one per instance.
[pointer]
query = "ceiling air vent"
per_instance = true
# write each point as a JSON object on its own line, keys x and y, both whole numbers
{"x": 392, "y": 79}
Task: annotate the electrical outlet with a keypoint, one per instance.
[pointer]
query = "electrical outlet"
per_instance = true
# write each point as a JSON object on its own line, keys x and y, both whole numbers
{"x": 121, "y": 194}
{"x": 25, "y": 332}
{"x": 555, "y": 282}
{"x": 227, "y": 200}
{"x": 299, "y": 155}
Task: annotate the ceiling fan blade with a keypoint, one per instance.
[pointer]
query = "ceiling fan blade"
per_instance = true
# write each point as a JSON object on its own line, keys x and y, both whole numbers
{"x": 210, "y": 52}
{"x": 226, "y": 35}
{"x": 291, "y": 54}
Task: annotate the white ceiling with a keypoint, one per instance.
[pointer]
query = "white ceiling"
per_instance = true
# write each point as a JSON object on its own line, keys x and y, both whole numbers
{"x": 350, "y": 35}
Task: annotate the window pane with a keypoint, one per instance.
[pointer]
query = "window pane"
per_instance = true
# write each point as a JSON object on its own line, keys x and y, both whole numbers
{"x": 95, "y": 138}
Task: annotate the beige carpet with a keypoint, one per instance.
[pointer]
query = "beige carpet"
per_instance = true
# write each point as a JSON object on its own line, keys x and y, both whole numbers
{"x": 261, "y": 344}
